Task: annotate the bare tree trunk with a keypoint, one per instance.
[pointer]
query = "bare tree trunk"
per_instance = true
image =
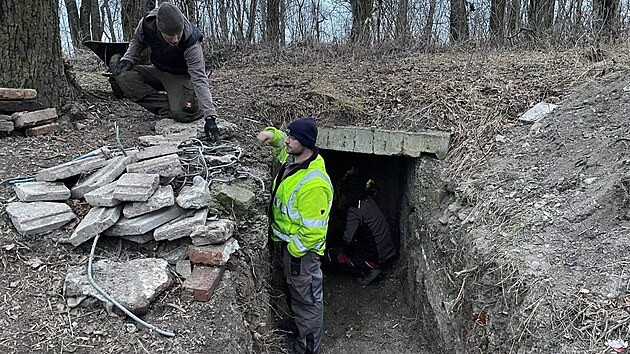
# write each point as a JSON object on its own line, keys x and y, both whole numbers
{"x": 107, "y": 12}
{"x": 84, "y": 19}
{"x": 459, "y": 21}
{"x": 95, "y": 21}
{"x": 606, "y": 19}
{"x": 513, "y": 17}
{"x": 30, "y": 48}
{"x": 427, "y": 32}
{"x": 223, "y": 21}
{"x": 272, "y": 27}
{"x": 73, "y": 22}
{"x": 403, "y": 31}
{"x": 577, "y": 20}
{"x": 361, "y": 13}
{"x": 540, "y": 14}
{"x": 132, "y": 11}
{"x": 251, "y": 21}
{"x": 497, "y": 24}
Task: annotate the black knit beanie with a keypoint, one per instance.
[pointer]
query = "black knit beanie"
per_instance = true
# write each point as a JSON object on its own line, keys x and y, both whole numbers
{"x": 304, "y": 129}
{"x": 169, "y": 19}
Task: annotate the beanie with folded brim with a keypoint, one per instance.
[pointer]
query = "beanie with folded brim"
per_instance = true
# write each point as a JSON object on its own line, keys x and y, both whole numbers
{"x": 304, "y": 129}
{"x": 169, "y": 19}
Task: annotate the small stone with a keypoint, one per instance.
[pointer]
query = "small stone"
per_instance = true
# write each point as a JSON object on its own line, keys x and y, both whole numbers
{"x": 6, "y": 124}
{"x": 41, "y": 191}
{"x": 234, "y": 197}
{"x": 183, "y": 268}
{"x": 196, "y": 196}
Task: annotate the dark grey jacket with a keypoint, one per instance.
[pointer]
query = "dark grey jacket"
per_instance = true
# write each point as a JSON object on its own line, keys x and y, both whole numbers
{"x": 367, "y": 232}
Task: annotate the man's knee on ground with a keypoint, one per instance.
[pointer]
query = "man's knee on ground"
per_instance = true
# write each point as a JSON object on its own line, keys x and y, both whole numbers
{"x": 128, "y": 81}
{"x": 184, "y": 117}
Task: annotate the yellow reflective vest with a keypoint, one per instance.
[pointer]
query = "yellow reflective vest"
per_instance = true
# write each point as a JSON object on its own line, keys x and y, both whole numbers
{"x": 301, "y": 201}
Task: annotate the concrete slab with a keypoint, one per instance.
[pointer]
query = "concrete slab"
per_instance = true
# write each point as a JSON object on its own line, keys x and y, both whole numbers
{"x": 103, "y": 196}
{"x": 152, "y": 140}
{"x": 165, "y": 166}
{"x": 233, "y": 197}
{"x": 136, "y": 187}
{"x": 180, "y": 228}
{"x": 384, "y": 142}
{"x": 114, "y": 168}
{"x": 141, "y": 239}
{"x": 41, "y": 191}
{"x": 71, "y": 168}
{"x": 156, "y": 151}
{"x": 96, "y": 221}
{"x": 29, "y": 119}
{"x": 144, "y": 223}
{"x": 162, "y": 198}
{"x": 39, "y": 217}
{"x": 6, "y": 124}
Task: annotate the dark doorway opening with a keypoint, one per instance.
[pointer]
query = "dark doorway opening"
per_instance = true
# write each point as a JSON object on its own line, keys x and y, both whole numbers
{"x": 389, "y": 175}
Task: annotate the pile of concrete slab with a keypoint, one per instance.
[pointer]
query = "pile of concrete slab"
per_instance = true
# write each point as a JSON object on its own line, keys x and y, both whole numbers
{"x": 20, "y": 111}
{"x": 130, "y": 197}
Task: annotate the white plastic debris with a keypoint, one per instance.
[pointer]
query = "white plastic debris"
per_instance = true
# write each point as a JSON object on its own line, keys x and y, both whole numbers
{"x": 619, "y": 345}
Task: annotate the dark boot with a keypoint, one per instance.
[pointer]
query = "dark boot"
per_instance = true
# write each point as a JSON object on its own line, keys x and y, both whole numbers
{"x": 371, "y": 276}
{"x": 288, "y": 325}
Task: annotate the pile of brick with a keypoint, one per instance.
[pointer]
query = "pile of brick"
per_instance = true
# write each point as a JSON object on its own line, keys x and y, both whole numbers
{"x": 130, "y": 196}
{"x": 20, "y": 111}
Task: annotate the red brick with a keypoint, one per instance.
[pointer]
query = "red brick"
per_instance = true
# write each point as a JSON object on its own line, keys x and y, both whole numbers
{"x": 43, "y": 129}
{"x": 214, "y": 255}
{"x": 202, "y": 282}
{"x": 17, "y": 94}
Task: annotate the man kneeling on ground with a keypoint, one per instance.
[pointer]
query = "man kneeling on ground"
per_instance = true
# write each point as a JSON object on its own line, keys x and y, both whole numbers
{"x": 178, "y": 68}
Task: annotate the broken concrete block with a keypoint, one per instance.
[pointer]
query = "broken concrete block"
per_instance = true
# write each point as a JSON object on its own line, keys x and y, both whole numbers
{"x": 162, "y": 198}
{"x": 29, "y": 119}
{"x": 135, "y": 284}
{"x": 196, "y": 196}
{"x": 180, "y": 228}
{"x": 17, "y": 93}
{"x": 176, "y": 254}
{"x": 141, "y": 239}
{"x": 96, "y": 221}
{"x": 215, "y": 255}
{"x": 191, "y": 130}
{"x": 6, "y": 124}
{"x": 41, "y": 191}
{"x": 136, "y": 187}
{"x": 114, "y": 168}
{"x": 152, "y": 140}
{"x": 183, "y": 268}
{"x": 156, "y": 151}
{"x": 538, "y": 112}
{"x": 39, "y": 217}
{"x": 45, "y": 129}
{"x": 214, "y": 232}
{"x": 414, "y": 144}
{"x": 165, "y": 166}
{"x": 234, "y": 197}
{"x": 103, "y": 196}
{"x": 202, "y": 282}
{"x": 144, "y": 223}
{"x": 71, "y": 168}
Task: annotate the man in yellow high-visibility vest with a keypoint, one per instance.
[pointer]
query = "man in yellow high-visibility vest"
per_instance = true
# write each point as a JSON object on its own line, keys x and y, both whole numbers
{"x": 300, "y": 205}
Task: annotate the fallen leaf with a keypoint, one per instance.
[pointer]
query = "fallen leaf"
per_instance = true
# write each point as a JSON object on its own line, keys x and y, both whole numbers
{"x": 34, "y": 262}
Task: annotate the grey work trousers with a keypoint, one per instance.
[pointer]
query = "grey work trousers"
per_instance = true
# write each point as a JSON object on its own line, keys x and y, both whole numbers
{"x": 143, "y": 84}
{"x": 305, "y": 283}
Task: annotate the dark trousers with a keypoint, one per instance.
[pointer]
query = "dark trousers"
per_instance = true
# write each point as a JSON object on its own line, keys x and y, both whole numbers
{"x": 338, "y": 259}
{"x": 143, "y": 84}
{"x": 304, "y": 281}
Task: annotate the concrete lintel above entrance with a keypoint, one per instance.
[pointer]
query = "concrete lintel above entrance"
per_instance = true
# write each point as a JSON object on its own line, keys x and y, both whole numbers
{"x": 383, "y": 142}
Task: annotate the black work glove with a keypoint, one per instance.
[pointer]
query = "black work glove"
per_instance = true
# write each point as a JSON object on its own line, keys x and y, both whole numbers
{"x": 211, "y": 129}
{"x": 122, "y": 65}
